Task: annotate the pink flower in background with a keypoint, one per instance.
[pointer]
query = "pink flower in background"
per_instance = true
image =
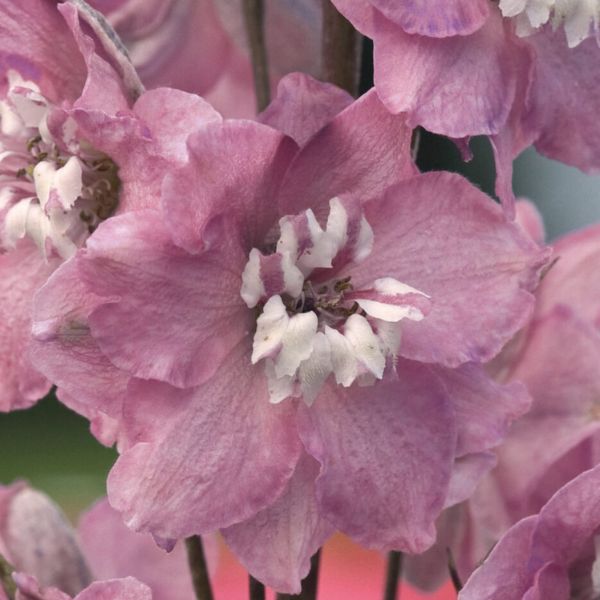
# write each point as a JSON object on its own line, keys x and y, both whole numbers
{"x": 460, "y": 69}
{"x": 292, "y": 327}
{"x": 77, "y": 145}
{"x": 39, "y": 543}
{"x": 552, "y": 555}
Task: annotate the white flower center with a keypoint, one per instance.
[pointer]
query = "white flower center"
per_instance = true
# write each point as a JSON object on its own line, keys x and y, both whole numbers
{"x": 312, "y": 326}
{"x": 580, "y": 18}
{"x": 53, "y": 191}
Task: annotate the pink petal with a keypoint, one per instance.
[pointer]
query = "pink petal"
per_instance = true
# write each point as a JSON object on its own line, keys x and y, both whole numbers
{"x": 114, "y": 551}
{"x": 22, "y": 272}
{"x": 28, "y": 588}
{"x": 359, "y": 13}
{"x": 235, "y": 168}
{"x": 442, "y": 236}
{"x": 174, "y": 316}
{"x": 456, "y": 86}
{"x": 435, "y": 18}
{"x": 394, "y": 439}
{"x": 276, "y": 544}
{"x": 361, "y": 151}
{"x": 564, "y": 96}
{"x": 117, "y": 589}
{"x": 530, "y": 219}
{"x": 466, "y": 474}
{"x": 63, "y": 349}
{"x": 207, "y": 457}
{"x": 304, "y": 105}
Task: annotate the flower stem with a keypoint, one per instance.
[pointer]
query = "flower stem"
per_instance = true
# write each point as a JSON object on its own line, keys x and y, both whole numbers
{"x": 394, "y": 568}
{"x": 309, "y": 583}
{"x": 339, "y": 49}
{"x": 254, "y": 13}
{"x": 197, "y": 563}
{"x": 6, "y": 581}
{"x": 256, "y": 589}
{"x": 454, "y": 576}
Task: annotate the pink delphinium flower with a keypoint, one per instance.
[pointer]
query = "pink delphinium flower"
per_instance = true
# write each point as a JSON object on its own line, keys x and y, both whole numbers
{"x": 38, "y": 542}
{"x": 293, "y": 327}
{"x": 460, "y": 69}
{"x": 77, "y": 145}
{"x": 549, "y": 556}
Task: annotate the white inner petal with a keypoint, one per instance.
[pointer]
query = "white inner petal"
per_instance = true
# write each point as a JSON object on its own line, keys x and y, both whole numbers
{"x": 366, "y": 345}
{"x": 253, "y": 288}
{"x": 271, "y": 326}
{"x": 298, "y": 341}
{"x": 315, "y": 369}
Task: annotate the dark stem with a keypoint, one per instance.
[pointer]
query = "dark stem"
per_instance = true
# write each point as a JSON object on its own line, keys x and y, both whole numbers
{"x": 256, "y": 589}
{"x": 197, "y": 563}
{"x": 309, "y": 583}
{"x": 340, "y": 49}
{"x": 456, "y": 582}
{"x": 6, "y": 581}
{"x": 394, "y": 567}
{"x": 254, "y": 16}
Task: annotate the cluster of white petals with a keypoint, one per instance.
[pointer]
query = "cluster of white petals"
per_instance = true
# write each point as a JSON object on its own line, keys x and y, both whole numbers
{"x": 54, "y": 194}
{"x": 579, "y": 18}
{"x": 308, "y": 330}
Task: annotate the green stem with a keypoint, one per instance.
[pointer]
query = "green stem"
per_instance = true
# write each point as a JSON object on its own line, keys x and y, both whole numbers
{"x": 254, "y": 12}
{"x": 6, "y": 581}
{"x": 198, "y": 569}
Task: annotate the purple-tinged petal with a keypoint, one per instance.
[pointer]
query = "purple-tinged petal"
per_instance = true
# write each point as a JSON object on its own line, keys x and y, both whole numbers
{"x": 36, "y": 538}
{"x": 361, "y": 151}
{"x": 37, "y": 43}
{"x": 484, "y": 409}
{"x": 234, "y": 168}
{"x": 504, "y": 574}
{"x": 207, "y": 457}
{"x": 22, "y": 272}
{"x": 168, "y": 315}
{"x": 28, "y": 588}
{"x": 114, "y": 551}
{"x": 573, "y": 280}
{"x": 276, "y": 544}
{"x": 64, "y": 350}
{"x": 435, "y": 18}
{"x": 564, "y": 98}
{"x": 457, "y": 86}
{"x": 304, "y": 105}
{"x": 466, "y": 474}
{"x": 444, "y": 237}
{"x": 395, "y": 439}
{"x": 117, "y": 589}
{"x": 551, "y": 582}
{"x": 359, "y": 13}
{"x": 564, "y": 381}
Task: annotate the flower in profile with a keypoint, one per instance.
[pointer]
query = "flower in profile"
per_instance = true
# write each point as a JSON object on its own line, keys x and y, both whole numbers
{"x": 75, "y": 148}
{"x": 299, "y": 321}
{"x": 553, "y": 554}
{"x": 460, "y": 68}
{"x": 50, "y": 560}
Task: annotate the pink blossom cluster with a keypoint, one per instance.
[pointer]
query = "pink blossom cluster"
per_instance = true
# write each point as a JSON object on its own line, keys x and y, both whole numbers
{"x": 285, "y": 327}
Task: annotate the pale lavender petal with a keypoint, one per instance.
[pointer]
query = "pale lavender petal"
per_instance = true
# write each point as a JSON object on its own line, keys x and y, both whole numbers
{"x": 373, "y": 439}
{"x": 206, "y": 457}
{"x": 466, "y": 474}
{"x": 176, "y": 318}
{"x": 117, "y": 589}
{"x": 276, "y": 545}
{"x": 304, "y": 105}
{"x": 444, "y": 237}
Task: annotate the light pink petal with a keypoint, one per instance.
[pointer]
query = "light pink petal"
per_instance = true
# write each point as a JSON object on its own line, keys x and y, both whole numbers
{"x": 435, "y": 18}
{"x": 359, "y": 13}
{"x": 386, "y": 454}
{"x": 207, "y": 457}
{"x": 235, "y": 168}
{"x": 564, "y": 96}
{"x": 114, "y": 551}
{"x": 304, "y": 105}
{"x": 551, "y": 582}
{"x": 466, "y": 474}
{"x": 504, "y": 574}
{"x": 442, "y": 236}
{"x": 457, "y": 86}
{"x": 63, "y": 349}
{"x": 22, "y": 272}
{"x": 37, "y": 43}
{"x": 530, "y": 219}
{"x": 35, "y": 537}
{"x": 276, "y": 544}
{"x": 484, "y": 409}
{"x": 28, "y": 588}
{"x": 564, "y": 381}
{"x": 174, "y": 316}
{"x": 105, "y": 87}
{"x": 361, "y": 151}
{"x": 573, "y": 279}
{"x": 117, "y": 589}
